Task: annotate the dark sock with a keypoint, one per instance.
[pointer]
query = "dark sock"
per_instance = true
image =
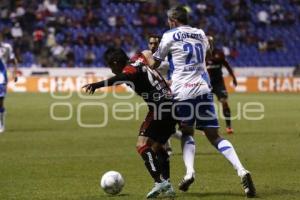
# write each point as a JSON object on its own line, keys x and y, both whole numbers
{"x": 151, "y": 162}
{"x": 163, "y": 158}
{"x": 227, "y": 115}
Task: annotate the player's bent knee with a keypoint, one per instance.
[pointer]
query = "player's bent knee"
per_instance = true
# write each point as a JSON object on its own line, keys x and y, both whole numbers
{"x": 143, "y": 141}
{"x": 212, "y": 135}
{"x": 141, "y": 149}
{"x": 140, "y": 145}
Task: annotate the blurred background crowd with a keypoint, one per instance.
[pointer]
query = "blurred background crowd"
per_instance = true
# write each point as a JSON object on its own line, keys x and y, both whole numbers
{"x": 75, "y": 33}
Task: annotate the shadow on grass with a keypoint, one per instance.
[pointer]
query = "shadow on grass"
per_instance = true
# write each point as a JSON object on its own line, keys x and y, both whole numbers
{"x": 104, "y": 196}
{"x": 276, "y": 194}
{"x": 198, "y": 153}
{"x": 279, "y": 194}
{"x": 209, "y": 194}
{"x": 178, "y": 196}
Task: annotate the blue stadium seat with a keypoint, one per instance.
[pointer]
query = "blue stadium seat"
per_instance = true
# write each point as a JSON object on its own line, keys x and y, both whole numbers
{"x": 249, "y": 54}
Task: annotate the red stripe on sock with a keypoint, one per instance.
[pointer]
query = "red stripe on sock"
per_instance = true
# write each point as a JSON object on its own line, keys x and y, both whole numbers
{"x": 142, "y": 148}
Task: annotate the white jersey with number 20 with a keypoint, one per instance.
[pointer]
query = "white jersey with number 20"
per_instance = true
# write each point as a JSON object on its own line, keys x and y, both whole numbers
{"x": 186, "y": 49}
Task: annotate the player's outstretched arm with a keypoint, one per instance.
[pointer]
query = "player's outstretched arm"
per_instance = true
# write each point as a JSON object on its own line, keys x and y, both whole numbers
{"x": 91, "y": 87}
{"x": 115, "y": 80}
{"x": 230, "y": 71}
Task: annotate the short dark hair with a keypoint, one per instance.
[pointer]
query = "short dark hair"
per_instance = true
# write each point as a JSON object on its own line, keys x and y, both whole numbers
{"x": 113, "y": 54}
{"x": 178, "y": 13}
{"x": 154, "y": 36}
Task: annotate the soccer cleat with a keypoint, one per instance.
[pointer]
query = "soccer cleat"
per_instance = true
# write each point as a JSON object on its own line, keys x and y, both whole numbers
{"x": 186, "y": 182}
{"x": 248, "y": 185}
{"x": 159, "y": 188}
{"x": 170, "y": 192}
{"x": 229, "y": 130}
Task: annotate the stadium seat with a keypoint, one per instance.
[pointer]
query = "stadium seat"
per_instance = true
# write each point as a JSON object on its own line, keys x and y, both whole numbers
{"x": 289, "y": 34}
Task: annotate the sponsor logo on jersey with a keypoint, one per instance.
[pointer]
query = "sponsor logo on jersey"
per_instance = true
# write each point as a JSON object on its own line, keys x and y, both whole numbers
{"x": 190, "y": 85}
{"x": 192, "y": 68}
{"x": 180, "y": 36}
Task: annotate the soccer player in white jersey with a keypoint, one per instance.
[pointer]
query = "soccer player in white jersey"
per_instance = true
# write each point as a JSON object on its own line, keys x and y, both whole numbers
{"x": 186, "y": 49}
{"x": 6, "y": 56}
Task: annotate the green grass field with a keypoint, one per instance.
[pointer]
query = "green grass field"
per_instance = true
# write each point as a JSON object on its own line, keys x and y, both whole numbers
{"x": 44, "y": 159}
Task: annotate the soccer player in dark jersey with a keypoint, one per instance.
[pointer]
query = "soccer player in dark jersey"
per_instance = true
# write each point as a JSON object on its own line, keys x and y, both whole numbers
{"x": 153, "y": 42}
{"x": 159, "y": 123}
{"x": 215, "y": 62}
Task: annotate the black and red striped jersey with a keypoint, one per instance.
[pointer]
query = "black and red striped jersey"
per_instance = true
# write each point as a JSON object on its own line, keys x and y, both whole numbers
{"x": 146, "y": 82}
{"x": 214, "y": 65}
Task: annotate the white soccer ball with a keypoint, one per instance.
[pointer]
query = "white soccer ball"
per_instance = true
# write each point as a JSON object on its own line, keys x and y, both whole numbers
{"x": 112, "y": 182}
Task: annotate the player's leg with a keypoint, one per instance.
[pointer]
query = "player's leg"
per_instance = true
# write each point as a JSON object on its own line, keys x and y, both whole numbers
{"x": 208, "y": 122}
{"x": 226, "y": 114}
{"x": 147, "y": 146}
{"x": 160, "y": 150}
{"x": 164, "y": 162}
{"x": 159, "y": 169}
{"x": 168, "y": 146}
{"x": 2, "y": 109}
{"x": 2, "y": 115}
{"x": 148, "y": 151}
{"x": 144, "y": 148}
{"x": 226, "y": 148}
{"x": 185, "y": 110}
{"x": 163, "y": 159}
{"x": 188, "y": 149}
{"x": 160, "y": 131}
{"x": 222, "y": 95}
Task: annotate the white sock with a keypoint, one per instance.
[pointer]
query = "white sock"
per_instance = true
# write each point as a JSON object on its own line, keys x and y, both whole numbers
{"x": 226, "y": 148}
{"x": 177, "y": 135}
{"x": 188, "y": 151}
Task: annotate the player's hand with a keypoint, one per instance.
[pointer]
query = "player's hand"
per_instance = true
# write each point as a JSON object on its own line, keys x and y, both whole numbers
{"x": 90, "y": 88}
{"x": 15, "y": 75}
{"x": 235, "y": 82}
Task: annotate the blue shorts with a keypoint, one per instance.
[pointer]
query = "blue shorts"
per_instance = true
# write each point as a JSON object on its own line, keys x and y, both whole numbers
{"x": 200, "y": 110}
{"x": 2, "y": 90}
